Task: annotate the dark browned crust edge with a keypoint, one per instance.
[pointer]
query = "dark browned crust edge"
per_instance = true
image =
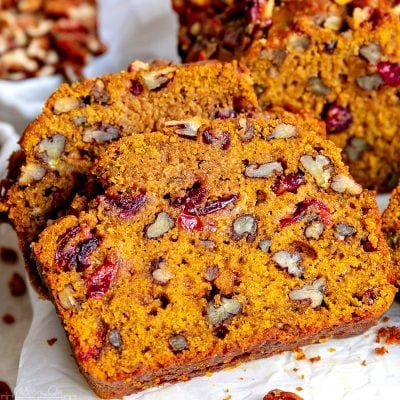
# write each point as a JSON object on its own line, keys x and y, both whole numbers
{"x": 267, "y": 348}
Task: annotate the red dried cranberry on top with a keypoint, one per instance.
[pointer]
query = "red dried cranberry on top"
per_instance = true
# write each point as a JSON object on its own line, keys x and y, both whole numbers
{"x": 389, "y": 72}
{"x": 337, "y": 118}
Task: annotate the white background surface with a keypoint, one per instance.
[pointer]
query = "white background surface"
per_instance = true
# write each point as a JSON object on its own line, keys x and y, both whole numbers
{"x": 146, "y": 29}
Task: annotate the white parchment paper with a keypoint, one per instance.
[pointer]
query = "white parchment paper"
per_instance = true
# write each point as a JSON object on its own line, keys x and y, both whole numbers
{"x": 11, "y": 335}
{"x": 349, "y": 368}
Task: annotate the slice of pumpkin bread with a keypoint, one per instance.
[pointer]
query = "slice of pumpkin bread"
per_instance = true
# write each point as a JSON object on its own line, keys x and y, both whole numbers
{"x": 339, "y": 60}
{"x": 79, "y": 121}
{"x": 211, "y": 243}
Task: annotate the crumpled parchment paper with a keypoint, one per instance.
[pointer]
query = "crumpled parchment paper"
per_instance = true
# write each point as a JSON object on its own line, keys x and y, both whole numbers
{"x": 348, "y": 369}
{"x": 11, "y": 335}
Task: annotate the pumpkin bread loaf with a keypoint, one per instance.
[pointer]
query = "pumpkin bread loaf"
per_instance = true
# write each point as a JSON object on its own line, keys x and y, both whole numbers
{"x": 79, "y": 121}
{"x": 211, "y": 243}
{"x": 337, "y": 59}
{"x": 44, "y": 37}
{"x": 391, "y": 228}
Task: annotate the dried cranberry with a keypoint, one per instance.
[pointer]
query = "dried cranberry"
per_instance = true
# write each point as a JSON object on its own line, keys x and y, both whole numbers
{"x": 51, "y": 341}
{"x": 136, "y": 88}
{"x": 190, "y": 203}
{"x": 222, "y": 138}
{"x": 87, "y": 248}
{"x": 17, "y": 285}
{"x": 389, "y": 72}
{"x": 194, "y": 197}
{"x": 100, "y": 280}
{"x": 192, "y": 209}
{"x": 225, "y": 113}
{"x": 8, "y": 255}
{"x": 216, "y": 205}
{"x": 65, "y": 253}
{"x": 301, "y": 209}
{"x": 253, "y": 10}
{"x": 369, "y": 297}
{"x": 75, "y": 246}
{"x": 208, "y": 137}
{"x": 288, "y": 183}
{"x": 337, "y": 118}
{"x": 8, "y": 319}
{"x": 5, "y": 392}
{"x": 278, "y": 394}
{"x": 126, "y": 205}
{"x": 94, "y": 351}
{"x": 225, "y": 141}
{"x": 59, "y": 199}
{"x": 367, "y": 246}
{"x": 190, "y": 222}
